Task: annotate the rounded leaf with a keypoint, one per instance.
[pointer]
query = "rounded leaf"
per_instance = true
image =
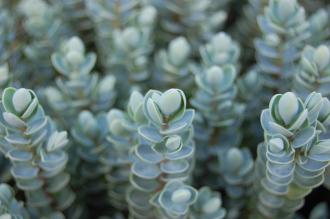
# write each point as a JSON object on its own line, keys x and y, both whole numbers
{"x": 170, "y": 101}
{"x": 214, "y": 76}
{"x": 87, "y": 122}
{"x": 288, "y": 106}
{"x": 57, "y": 140}
{"x": 221, "y": 42}
{"x": 74, "y": 57}
{"x": 276, "y": 145}
{"x": 153, "y": 112}
{"x": 179, "y": 50}
{"x": 147, "y": 16}
{"x": 131, "y": 36}
{"x": 181, "y": 195}
{"x": 286, "y": 8}
{"x": 212, "y": 205}
{"x": 135, "y": 101}
{"x": 322, "y": 56}
{"x": 21, "y": 99}
{"x": 173, "y": 143}
{"x": 235, "y": 158}
{"x": 75, "y": 44}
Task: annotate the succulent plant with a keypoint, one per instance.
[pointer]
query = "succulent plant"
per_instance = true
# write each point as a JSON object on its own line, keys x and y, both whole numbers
{"x": 236, "y": 170}
{"x": 9, "y": 206}
{"x": 208, "y": 205}
{"x": 124, "y": 32}
{"x": 319, "y": 27}
{"x": 35, "y": 149}
{"x": 284, "y": 29}
{"x": 133, "y": 44}
{"x": 216, "y": 93}
{"x": 107, "y": 16}
{"x": 123, "y": 136}
{"x": 314, "y": 71}
{"x": 220, "y": 50}
{"x": 218, "y": 109}
{"x": 195, "y": 20}
{"x": 89, "y": 134}
{"x": 160, "y": 103}
{"x": 292, "y": 160}
{"x": 45, "y": 31}
{"x": 174, "y": 200}
{"x": 165, "y": 152}
{"x": 77, "y": 88}
{"x": 173, "y": 64}
{"x": 75, "y": 13}
{"x": 215, "y": 101}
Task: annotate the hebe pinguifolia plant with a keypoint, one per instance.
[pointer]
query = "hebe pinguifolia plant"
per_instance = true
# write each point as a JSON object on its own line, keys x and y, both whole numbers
{"x": 144, "y": 109}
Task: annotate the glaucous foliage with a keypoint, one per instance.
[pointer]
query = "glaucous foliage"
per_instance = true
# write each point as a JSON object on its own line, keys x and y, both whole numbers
{"x": 174, "y": 64}
{"x": 193, "y": 19}
{"x": 292, "y": 159}
{"x": 165, "y": 153}
{"x": 78, "y": 88}
{"x": 89, "y": 139}
{"x": 35, "y": 149}
{"x": 160, "y": 103}
{"x": 208, "y": 205}
{"x": 45, "y": 30}
{"x": 284, "y": 29}
{"x": 236, "y": 171}
{"x": 314, "y": 71}
{"x": 123, "y": 136}
{"x": 9, "y": 206}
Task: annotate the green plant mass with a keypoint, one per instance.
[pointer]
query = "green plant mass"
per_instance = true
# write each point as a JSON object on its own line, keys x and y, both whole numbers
{"x": 164, "y": 109}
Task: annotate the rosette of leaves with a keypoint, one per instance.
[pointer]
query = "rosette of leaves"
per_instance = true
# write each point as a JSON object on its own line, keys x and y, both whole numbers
{"x": 313, "y": 74}
{"x": 9, "y": 206}
{"x": 45, "y": 31}
{"x": 314, "y": 71}
{"x": 128, "y": 30}
{"x": 221, "y": 50}
{"x": 173, "y": 64}
{"x": 284, "y": 29}
{"x": 166, "y": 150}
{"x": 89, "y": 135}
{"x": 236, "y": 171}
{"x": 215, "y": 101}
{"x": 195, "y": 20}
{"x": 107, "y": 16}
{"x": 292, "y": 160}
{"x": 123, "y": 137}
{"x": 175, "y": 200}
{"x": 76, "y": 14}
{"x": 215, "y": 96}
{"x": 77, "y": 88}
{"x": 208, "y": 205}
{"x": 36, "y": 152}
{"x": 319, "y": 27}
{"x": 133, "y": 44}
